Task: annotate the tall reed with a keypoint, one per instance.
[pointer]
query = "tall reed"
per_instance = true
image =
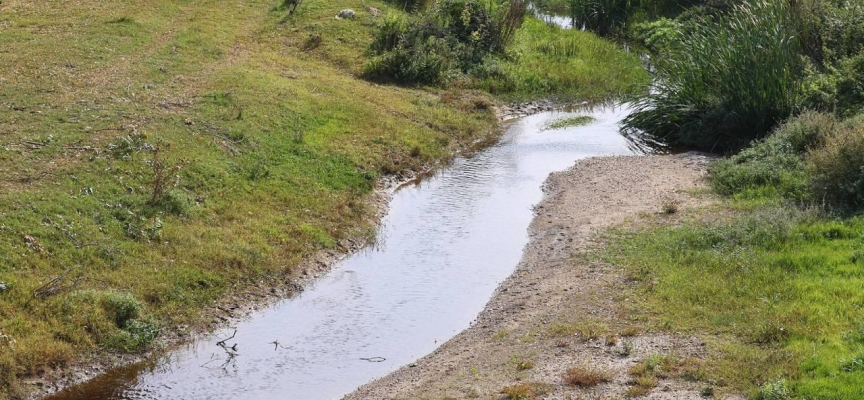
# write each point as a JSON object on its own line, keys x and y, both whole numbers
{"x": 731, "y": 81}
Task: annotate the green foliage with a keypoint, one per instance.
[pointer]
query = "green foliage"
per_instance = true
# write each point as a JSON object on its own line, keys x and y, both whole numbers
{"x": 566, "y": 63}
{"x": 449, "y": 38}
{"x": 776, "y": 165}
{"x": 730, "y": 81}
{"x": 410, "y": 5}
{"x": 121, "y": 307}
{"x": 774, "y": 390}
{"x": 836, "y": 167}
{"x": 134, "y": 337}
{"x": 658, "y": 36}
{"x": 814, "y": 158}
{"x": 842, "y": 29}
{"x": 772, "y": 163}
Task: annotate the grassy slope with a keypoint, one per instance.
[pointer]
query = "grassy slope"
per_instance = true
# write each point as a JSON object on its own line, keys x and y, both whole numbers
{"x": 568, "y": 63}
{"x": 276, "y": 147}
{"x": 775, "y": 293}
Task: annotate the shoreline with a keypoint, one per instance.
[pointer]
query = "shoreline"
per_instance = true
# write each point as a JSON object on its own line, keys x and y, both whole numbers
{"x": 558, "y": 309}
{"x": 244, "y": 303}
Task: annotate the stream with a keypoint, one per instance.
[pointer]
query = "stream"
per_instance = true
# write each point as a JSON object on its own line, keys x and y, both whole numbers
{"x": 445, "y": 245}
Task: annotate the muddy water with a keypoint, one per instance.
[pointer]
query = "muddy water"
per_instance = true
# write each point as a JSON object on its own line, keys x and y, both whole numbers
{"x": 445, "y": 245}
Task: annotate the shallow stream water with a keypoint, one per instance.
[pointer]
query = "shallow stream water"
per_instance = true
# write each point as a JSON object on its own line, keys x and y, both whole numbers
{"x": 445, "y": 245}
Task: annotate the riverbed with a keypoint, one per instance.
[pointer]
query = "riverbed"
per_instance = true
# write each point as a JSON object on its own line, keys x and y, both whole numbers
{"x": 447, "y": 242}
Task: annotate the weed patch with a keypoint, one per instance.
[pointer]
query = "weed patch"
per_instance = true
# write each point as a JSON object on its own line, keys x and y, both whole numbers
{"x": 586, "y": 376}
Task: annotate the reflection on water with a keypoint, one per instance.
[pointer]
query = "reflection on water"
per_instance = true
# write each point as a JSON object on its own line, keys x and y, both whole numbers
{"x": 448, "y": 241}
{"x": 560, "y": 21}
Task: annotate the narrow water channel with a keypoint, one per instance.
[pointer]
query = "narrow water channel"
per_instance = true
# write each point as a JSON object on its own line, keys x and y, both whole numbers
{"x": 445, "y": 245}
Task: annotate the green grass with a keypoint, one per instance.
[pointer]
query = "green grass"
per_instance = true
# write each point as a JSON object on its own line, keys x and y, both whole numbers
{"x": 569, "y": 122}
{"x": 775, "y": 293}
{"x": 269, "y": 151}
{"x": 547, "y": 61}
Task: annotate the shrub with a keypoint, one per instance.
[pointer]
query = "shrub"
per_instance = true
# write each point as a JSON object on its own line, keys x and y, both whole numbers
{"x": 840, "y": 89}
{"x": 135, "y": 336}
{"x": 773, "y": 163}
{"x": 732, "y": 80}
{"x": 121, "y": 307}
{"x": 807, "y": 130}
{"x": 842, "y": 30}
{"x": 451, "y": 37}
{"x": 658, "y": 36}
{"x": 836, "y": 167}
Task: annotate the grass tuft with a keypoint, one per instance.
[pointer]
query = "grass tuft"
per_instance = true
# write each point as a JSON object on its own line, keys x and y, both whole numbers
{"x": 586, "y": 376}
{"x": 569, "y": 122}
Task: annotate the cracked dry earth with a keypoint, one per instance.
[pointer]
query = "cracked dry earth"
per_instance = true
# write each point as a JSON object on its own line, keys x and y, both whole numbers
{"x": 560, "y": 310}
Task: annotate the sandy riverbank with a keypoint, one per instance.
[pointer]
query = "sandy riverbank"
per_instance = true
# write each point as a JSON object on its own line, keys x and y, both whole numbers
{"x": 559, "y": 309}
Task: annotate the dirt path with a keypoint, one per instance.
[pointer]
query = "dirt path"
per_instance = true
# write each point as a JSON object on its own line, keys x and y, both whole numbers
{"x": 558, "y": 310}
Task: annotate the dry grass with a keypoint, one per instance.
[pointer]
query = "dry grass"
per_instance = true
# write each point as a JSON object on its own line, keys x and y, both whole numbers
{"x": 524, "y": 390}
{"x": 586, "y": 376}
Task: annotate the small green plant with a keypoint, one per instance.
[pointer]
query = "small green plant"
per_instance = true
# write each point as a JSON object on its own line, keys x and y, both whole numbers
{"x": 626, "y": 348}
{"x": 853, "y": 364}
{"x": 312, "y": 42}
{"x": 121, "y": 307}
{"x": 777, "y": 389}
{"x": 135, "y": 336}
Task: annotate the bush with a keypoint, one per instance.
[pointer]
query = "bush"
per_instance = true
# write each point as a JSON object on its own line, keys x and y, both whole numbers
{"x": 729, "y": 82}
{"x": 836, "y": 167}
{"x": 807, "y": 130}
{"x": 842, "y": 30}
{"x": 658, "y": 36}
{"x": 121, "y": 307}
{"x": 135, "y": 336}
{"x": 775, "y": 165}
{"x": 451, "y": 37}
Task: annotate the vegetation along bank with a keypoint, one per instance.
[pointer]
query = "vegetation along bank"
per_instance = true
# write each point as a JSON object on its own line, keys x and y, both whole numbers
{"x": 766, "y": 270}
